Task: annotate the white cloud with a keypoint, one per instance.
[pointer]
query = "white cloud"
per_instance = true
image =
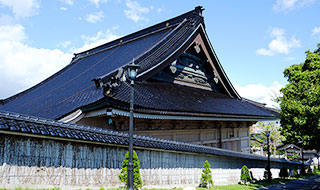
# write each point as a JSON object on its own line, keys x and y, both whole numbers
{"x": 63, "y": 8}
{"x": 135, "y": 11}
{"x": 261, "y": 93}
{"x": 287, "y": 5}
{"x": 97, "y": 2}
{"x": 94, "y": 17}
{"x": 100, "y": 38}
{"x": 280, "y": 44}
{"x": 22, "y": 66}
{"x": 316, "y": 30}
{"x": 64, "y": 44}
{"x": 69, "y": 2}
{"x": 12, "y": 33}
{"x": 275, "y": 32}
{"x": 22, "y": 8}
{"x": 7, "y": 19}
{"x": 159, "y": 10}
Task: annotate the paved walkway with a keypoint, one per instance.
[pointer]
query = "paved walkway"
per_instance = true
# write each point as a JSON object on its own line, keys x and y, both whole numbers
{"x": 311, "y": 183}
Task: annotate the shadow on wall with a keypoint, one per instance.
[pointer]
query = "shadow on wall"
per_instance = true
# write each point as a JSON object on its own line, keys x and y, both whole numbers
{"x": 26, "y": 151}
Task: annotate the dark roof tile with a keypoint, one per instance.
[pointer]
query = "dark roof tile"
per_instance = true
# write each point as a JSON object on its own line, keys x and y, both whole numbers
{"x": 163, "y": 96}
{"x": 88, "y": 133}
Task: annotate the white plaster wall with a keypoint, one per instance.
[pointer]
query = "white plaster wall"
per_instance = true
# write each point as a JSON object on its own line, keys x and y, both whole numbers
{"x": 29, "y": 162}
{"x": 67, "y": 178}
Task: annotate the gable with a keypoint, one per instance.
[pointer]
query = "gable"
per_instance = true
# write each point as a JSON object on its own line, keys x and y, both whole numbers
{"x": 195, "y": 64}
{"x": 192, "y": 68}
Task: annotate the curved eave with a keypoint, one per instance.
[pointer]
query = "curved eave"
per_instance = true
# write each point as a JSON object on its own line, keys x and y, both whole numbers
{"x": 221, "y": 71}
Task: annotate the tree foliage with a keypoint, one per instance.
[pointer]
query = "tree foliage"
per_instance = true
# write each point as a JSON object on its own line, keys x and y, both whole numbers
{"x": 275, "y": 136}
{"x": 137, "y": 183}
{"x": 206, "y": 177}
{"x": 245, "y": 175}
{"x": 283, "y": 172}
{"x": 300, "y": 103}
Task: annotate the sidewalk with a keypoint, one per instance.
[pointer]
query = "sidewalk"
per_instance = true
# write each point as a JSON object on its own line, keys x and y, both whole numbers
{"x": 310, "y": 183}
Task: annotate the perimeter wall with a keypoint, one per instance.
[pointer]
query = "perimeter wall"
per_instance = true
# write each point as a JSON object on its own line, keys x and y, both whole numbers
{"x": 38, "y": 162}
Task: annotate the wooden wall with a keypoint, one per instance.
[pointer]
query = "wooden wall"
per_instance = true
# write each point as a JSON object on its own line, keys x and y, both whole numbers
{"x": 231, "y": 135}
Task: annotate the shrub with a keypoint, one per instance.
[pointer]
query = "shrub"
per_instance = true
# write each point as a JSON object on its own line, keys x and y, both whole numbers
{"x": 283, "y": 172}
{"x": 315, "y": 170}
{"x": 137, "y": 183}
{"x": 245, "y": 175}
{"x": 206, "y": 177}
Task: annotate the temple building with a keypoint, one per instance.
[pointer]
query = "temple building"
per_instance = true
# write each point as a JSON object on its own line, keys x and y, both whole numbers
{"x": 182, "y": 92}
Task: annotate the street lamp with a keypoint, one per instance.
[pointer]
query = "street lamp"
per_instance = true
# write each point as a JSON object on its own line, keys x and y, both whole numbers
{"x": 132, "y": 74}
{"x": 302, "y": 157}
{"x": 268, "y": 148}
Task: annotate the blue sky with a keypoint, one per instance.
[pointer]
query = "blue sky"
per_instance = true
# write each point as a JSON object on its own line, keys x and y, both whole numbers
{"x": 254, "y": 40}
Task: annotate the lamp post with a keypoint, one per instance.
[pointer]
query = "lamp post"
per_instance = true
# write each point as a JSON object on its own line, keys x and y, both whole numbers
{"x": 132, "y": 73}
{"x": 302, "y": 157}
{"x": 268, "y": 148}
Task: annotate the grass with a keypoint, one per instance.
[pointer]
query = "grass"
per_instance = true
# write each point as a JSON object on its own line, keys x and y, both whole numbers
{"x": 55, "y": 188}
{"x": 257, "y": 185}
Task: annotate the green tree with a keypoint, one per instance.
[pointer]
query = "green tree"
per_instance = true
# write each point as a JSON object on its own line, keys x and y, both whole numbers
{"x": 300, "y": 103}
{"x": 245, "y": 175}
{"x": 206, "y": 177}
{"x": 261, "y": 139}
{"x": 137, "y": 183}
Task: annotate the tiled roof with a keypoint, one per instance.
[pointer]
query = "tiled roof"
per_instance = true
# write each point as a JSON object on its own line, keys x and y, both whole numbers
{"x": 19, "y": 124}
{"x": 163, "y": 96}
{"x": 72, "y": 87}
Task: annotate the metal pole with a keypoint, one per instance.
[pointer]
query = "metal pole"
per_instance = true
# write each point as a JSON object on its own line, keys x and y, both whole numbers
{"x": 302, "y": 157}
{"x": 130, "y": 164}
{"x": 268, "y": 167}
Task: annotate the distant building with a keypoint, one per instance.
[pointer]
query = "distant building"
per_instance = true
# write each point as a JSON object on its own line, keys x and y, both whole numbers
{"x": 182, "y": 92}
{"x": 294, "y": 152}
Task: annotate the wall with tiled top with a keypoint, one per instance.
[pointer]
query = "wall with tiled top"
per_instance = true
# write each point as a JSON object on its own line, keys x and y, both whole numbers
{"x": 35, "y": 162}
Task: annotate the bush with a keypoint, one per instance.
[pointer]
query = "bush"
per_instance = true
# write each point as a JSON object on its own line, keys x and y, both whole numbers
{"x": 283, "y": 172}
{"x": 315, "y": 170}
{"x": 206, "y": 177}
{"x": 137, "y": 183}
{"x": 245, "y": 175}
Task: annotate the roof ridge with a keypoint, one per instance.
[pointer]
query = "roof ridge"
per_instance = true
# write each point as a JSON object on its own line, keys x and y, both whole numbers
{"x": 160, "y": 26}
{"x": 126, "y": 39}
{"x": 136, "y": 59}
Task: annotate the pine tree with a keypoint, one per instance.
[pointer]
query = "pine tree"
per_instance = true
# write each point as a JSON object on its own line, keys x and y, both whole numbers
{"x": 206, "y": 177}
{"x": 137, "y": 183}
{"x": 245, "y": 175}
